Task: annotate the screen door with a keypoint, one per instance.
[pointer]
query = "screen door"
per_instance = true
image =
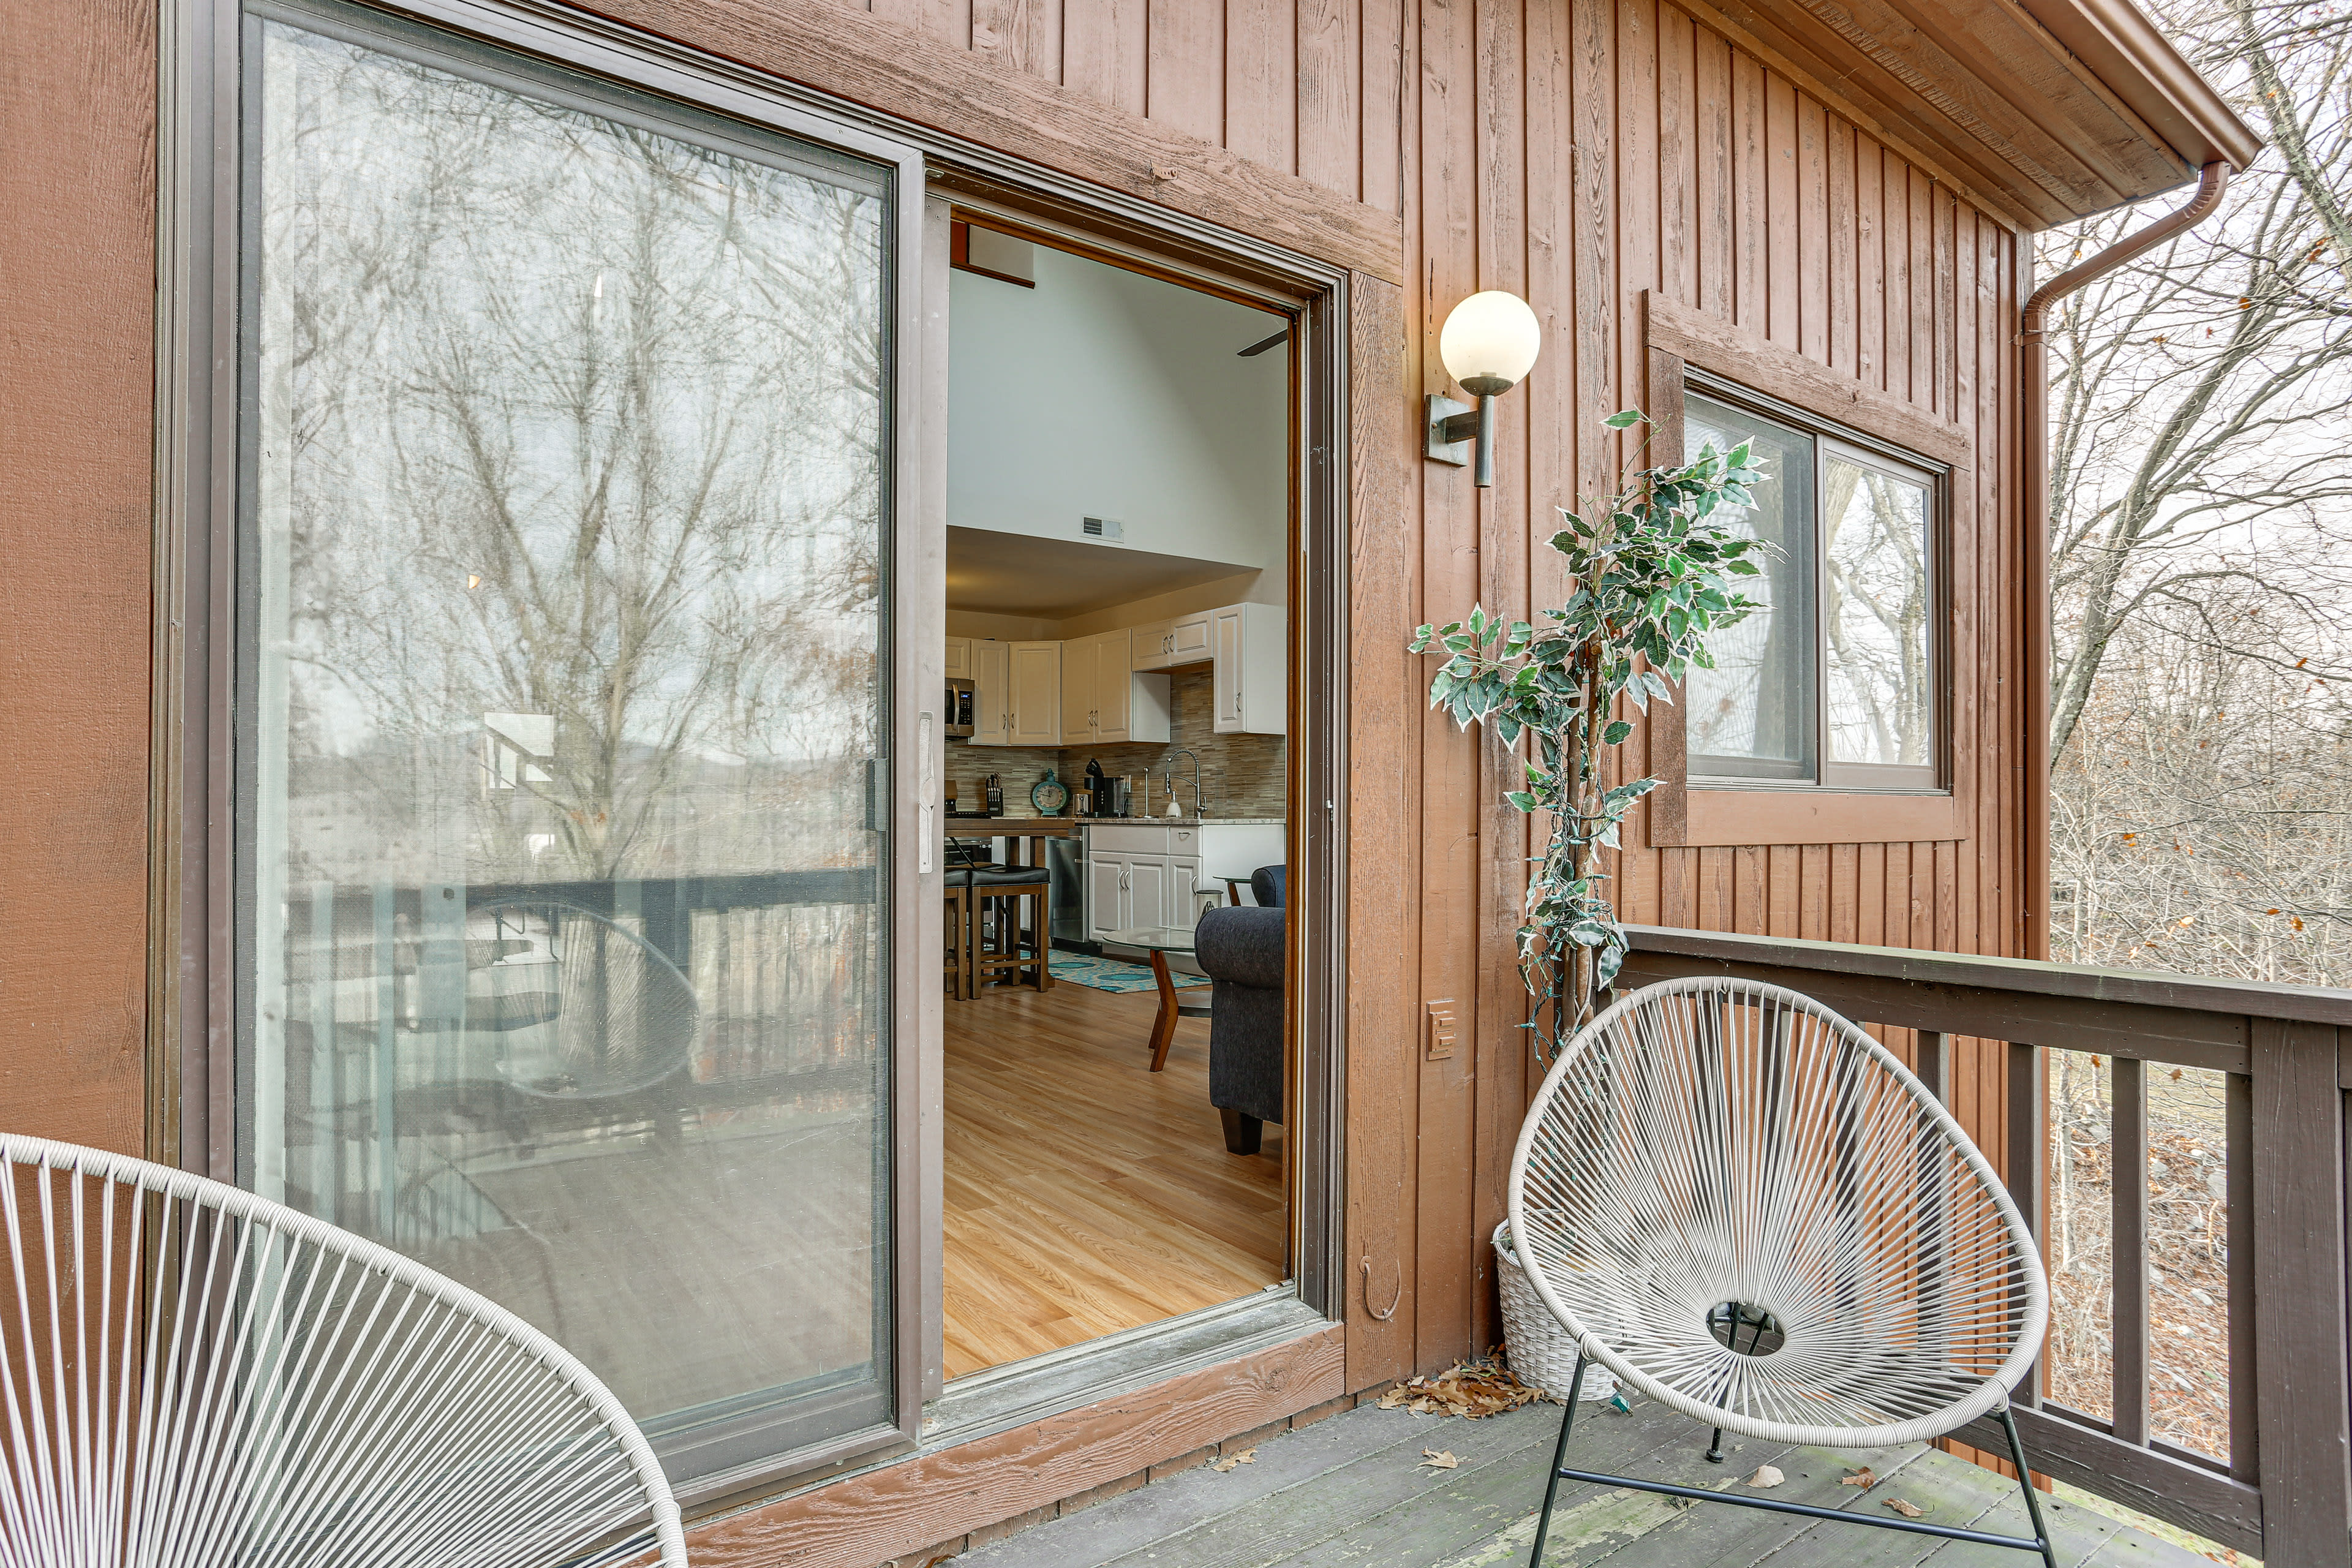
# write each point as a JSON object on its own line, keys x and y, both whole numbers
{"x": 564, "y": 712}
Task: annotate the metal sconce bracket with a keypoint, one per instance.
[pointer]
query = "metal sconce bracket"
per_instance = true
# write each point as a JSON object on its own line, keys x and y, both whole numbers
{"x": 1453, "y": 426}
{"x": 1456, "y": 429}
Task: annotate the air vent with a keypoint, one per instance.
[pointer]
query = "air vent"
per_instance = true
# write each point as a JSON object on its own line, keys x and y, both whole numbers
{"x": 1102, "y": 528}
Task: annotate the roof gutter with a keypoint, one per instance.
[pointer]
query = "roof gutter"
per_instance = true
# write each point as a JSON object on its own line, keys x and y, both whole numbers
{"x": 2033, "y": 386}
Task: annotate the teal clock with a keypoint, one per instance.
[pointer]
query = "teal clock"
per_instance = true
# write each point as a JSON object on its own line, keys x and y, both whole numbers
{"x": 1049, "y": 796}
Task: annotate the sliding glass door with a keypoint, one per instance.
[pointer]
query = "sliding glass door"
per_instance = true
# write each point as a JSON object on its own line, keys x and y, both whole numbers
{"x": 564, "y": 713}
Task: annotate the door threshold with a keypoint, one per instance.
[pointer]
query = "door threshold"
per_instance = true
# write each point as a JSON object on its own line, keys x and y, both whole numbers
{"x": 998, "y": 1398}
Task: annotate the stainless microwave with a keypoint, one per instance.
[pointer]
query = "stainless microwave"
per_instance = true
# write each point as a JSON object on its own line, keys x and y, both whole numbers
{"x": 960, "y": 707}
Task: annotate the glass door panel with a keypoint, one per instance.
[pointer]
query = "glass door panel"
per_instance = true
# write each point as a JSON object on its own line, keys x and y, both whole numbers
{"x": 563, "y": 845}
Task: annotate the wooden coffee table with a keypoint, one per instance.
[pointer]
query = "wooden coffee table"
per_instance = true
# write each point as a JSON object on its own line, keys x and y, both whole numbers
{"x": 1159, "y": 942}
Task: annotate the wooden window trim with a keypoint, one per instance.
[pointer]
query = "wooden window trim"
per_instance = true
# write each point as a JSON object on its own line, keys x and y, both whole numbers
{"x": 1680, "y": 337}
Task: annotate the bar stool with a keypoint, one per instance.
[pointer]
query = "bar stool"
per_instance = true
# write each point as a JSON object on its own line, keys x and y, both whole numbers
{"x": 958, "y": 963}
{"x": 999, "y": 945}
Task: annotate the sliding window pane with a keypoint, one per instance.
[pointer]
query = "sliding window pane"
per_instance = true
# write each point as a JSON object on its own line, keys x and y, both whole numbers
{"x": 1752, "y": 715}
{"x": 1880, "y": 689}
{"x": 564, "y": 946}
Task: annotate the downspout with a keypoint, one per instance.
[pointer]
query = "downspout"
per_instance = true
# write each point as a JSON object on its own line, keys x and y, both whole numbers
{"x": 2034, "y": 388}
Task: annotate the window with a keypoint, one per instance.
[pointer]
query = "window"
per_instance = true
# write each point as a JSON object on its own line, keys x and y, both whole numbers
{"x": 1836, "y": 680}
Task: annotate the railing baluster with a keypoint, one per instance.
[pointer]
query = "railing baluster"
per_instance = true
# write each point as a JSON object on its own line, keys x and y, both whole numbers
{"x": 2127, "y": 1244}
{"x": 2027, "y": 1137}
{"x": 1935, "y": 1064}
{"x": 2238, "y": 1201}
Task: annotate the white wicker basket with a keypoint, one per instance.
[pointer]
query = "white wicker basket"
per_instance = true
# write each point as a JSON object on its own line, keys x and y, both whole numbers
{"x": 1542, "y": 1354}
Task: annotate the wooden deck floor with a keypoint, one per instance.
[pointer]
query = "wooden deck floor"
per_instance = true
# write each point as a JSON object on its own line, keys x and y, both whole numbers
{"x": 1352, "y": 1491}
{"x": 1084, "y": 1192}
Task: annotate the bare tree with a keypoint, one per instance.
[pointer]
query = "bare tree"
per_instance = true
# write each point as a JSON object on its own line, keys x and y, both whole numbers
{"x": 2202, "y": 393}
{"x": 581, "y": 424}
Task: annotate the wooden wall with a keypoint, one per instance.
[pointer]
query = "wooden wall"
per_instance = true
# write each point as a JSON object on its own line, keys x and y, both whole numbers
{"x": 1578, "y": 152}
{"x": 77, "y": 395}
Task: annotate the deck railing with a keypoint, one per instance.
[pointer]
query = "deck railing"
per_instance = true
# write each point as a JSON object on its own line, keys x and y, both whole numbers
{"x": 2283, "y": 1058}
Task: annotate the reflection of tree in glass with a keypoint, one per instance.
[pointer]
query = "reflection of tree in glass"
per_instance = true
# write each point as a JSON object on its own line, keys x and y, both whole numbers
{"x": 584, "y": 423}
{"x": 1879, "y": 687}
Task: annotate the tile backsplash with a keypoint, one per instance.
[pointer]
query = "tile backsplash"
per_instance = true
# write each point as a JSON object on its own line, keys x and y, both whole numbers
{"x": 1240, "y": 776}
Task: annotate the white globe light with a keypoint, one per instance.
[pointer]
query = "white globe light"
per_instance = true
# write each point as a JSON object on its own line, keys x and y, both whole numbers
{"x": 1490, "y": 343}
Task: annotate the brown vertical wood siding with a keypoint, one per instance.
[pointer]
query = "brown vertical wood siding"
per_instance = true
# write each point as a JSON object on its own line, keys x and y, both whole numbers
{"x": 77, "y": 395}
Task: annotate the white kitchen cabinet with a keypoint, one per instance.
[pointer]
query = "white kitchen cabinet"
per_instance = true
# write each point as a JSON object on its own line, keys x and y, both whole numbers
{"x": 992, "y": 692}
{"x": 959, "y": 659}
{"x": 1035, "y": 718}
{"x": 1188, "y": 640}
{"x": 1249, "y": 655}
{"x": 1016, "y": 693}
{"x": 1140, "y": 875}
{"x": 1152, "y": 646}
{"x": 1104, "y": 700}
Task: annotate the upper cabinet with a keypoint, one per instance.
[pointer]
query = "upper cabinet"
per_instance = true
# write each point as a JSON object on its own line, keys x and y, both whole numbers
{"x": 1104, "y": 700}
{"x": 1108, "y": 689}
{"x": 1188, "y": 640}
{"x": 1016, "y": 693}
{"x": 1164, "y": 645}
{"x": 1035, "y": 713}
{"x": 1249, "y": 654}
{"x": 992, "y": 692}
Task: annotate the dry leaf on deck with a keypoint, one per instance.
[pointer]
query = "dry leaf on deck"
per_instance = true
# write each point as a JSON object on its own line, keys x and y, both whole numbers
{"x": 1440, "y": 1459}
{"x": 1864, "y": 1476}
{"x": 1393, "y": 1397}
{"x": 1246, "y": 1457}
{"x": 1766, "y": 1476}
{"x": 1907, "y": 1509}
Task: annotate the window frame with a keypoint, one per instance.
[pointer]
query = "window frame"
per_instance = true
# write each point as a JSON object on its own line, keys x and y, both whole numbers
{"x": 1832, "y": 440}
{"x": 1719, "y": 359}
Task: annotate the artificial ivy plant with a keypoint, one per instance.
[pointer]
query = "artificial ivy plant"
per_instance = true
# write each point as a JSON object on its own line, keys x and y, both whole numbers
{"x": 1652, "y": 577}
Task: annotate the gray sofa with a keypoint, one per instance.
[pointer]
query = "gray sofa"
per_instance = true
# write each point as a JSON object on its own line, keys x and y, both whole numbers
{"x": 1242, "y": 951}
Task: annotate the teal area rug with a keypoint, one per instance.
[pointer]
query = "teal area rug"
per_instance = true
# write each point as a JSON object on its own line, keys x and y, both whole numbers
{"x": 1113, "y": 974}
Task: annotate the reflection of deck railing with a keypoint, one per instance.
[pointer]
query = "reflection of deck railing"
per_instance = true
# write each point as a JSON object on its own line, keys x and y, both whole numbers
{"x": 1978, "y": 1029}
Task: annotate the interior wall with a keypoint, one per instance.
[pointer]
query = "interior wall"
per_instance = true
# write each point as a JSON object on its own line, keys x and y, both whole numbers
{"x": 1103, "y": 393}
{"x": 77, "y": 452}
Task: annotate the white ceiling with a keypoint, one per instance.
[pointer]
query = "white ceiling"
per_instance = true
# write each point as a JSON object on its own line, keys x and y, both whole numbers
{"x": 1054, "y": 579}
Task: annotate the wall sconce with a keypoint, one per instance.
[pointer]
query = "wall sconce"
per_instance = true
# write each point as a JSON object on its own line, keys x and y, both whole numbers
{"x": 1488, "y": 343}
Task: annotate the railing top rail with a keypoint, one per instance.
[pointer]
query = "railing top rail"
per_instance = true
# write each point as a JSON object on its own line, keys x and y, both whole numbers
{"x": 2242, "y": 998}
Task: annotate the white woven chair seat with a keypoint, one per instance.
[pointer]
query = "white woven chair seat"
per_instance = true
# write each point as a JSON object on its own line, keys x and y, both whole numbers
{"x": 1710, "y": 1145}
{"x": 195, "y": 1375}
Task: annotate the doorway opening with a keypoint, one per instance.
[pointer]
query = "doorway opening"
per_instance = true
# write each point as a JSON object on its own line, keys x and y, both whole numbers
{"x": 1121, "y": 505}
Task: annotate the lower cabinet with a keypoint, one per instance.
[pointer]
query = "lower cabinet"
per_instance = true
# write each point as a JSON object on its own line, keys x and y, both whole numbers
{"x": 1140, "y": 877}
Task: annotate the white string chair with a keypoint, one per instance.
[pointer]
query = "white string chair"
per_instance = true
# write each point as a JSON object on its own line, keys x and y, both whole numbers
{"x": 1748, "y": 1209}
{"x": 197, "y": 1375}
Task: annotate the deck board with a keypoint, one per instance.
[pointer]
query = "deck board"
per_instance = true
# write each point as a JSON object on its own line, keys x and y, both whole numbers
{"x": 1349, "y": 1492}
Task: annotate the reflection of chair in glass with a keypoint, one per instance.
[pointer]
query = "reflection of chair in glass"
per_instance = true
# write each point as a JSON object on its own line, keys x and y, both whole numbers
{"x": 583, "y": 1009}
{"x": 197, "y": 1374}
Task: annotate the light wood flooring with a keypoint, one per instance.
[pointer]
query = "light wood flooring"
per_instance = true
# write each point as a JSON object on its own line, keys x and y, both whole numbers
{"x": 1084, "y": 1192}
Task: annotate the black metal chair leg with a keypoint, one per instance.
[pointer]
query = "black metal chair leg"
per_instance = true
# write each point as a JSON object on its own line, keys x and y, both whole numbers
{"x": 1559, "y": 1457}
{"x": 2025, "y": 1480}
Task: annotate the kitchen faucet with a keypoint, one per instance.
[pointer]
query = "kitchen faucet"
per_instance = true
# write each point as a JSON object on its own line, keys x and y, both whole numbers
{"x": 1168, "y": 778}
